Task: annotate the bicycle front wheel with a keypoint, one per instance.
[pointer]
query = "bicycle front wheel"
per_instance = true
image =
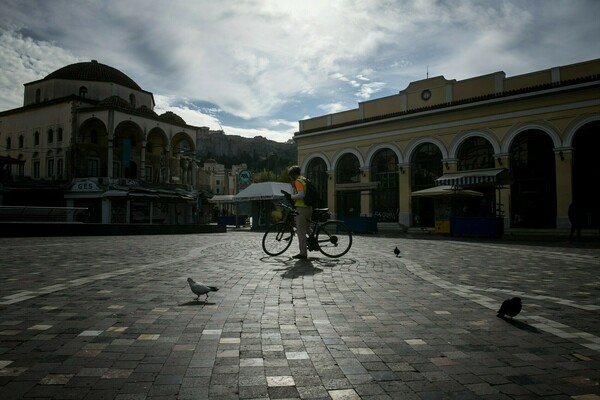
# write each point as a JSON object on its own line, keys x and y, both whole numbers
{"x": 277, "y": 238}
{"x": 334, "y": 238}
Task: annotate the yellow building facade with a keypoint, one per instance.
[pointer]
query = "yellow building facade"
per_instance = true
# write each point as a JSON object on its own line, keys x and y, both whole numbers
{"x": 526, "y": 145}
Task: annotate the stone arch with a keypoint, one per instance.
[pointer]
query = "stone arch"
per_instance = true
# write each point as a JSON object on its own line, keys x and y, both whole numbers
{"x": 311, "y": 157}
{"x": 375, "y": 148}
{"x": 183, "y": 154}
{"x": 574, "y": 127}
{"x": 127, "y": 147}
{"x": 178, "y": 140}
{"x": 157, "y": 145}
{"x": 414, "y": 144}
{"x": 459, "y": 139}
{"x": 86, "y": 127}
{"x": 341, "y": 153}
{"x": 540, "y": 125}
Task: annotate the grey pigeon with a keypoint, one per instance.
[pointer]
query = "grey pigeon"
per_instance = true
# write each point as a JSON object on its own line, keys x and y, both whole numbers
{"x": 510, "y": 307}
{"x": 397, "y": 251}
{"x": 199, "y": 288}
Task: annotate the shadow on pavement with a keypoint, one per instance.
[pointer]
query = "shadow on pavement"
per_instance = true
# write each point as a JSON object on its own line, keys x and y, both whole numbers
{"x": 334, "y": 262}
{"x": 300, "y": 268}
{"x": 522, "y": 325}
{"x": 196, "y": 303}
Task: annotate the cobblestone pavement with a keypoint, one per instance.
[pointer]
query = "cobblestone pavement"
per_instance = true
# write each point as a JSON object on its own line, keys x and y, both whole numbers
{"x": 114, "y": 318}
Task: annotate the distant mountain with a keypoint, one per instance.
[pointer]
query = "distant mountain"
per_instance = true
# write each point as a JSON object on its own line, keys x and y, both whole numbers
{"x": 258, "y": 152}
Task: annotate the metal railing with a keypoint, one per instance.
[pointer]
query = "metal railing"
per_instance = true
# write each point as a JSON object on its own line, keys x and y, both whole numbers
{"x": 39, "y": 214}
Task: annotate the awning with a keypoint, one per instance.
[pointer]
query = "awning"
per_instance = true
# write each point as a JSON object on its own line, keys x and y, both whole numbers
{"x": 356, "y": 187}
{"x": 222, "y": 198}
{"x": 496, "y": 176}
{"x": 114, "y": 193}
{"x": 263, "y": 191}
{"x": 446, "y": 191}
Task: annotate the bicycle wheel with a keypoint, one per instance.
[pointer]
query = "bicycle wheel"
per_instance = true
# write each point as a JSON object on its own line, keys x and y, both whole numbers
{"x": 277, "y": 238}
{"x": 334, "y": 238}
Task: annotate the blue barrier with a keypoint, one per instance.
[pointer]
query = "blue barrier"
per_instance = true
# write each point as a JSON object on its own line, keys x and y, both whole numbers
{"x": 476, "y": 226}
{"x": 360, "y": 224}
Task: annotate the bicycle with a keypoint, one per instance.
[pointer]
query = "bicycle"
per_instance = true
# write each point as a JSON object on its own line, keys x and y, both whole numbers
{"x": 329, "y": 236}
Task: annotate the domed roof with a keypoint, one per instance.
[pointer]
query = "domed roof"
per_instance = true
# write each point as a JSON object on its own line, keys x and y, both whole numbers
{"x": 93, "y": 71}
{"x": 170, "y": 116}
{"x": 146, "y": 110}
{"x": 116, "y": 101}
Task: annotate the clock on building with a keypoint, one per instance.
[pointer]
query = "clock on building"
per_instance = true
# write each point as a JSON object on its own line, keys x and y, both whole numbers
{"x": 426, "y": 94}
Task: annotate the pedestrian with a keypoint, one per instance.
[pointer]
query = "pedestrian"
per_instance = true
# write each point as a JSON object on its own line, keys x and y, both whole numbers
{"x": 576, "y": 216}
{"x": 304, "y": 211}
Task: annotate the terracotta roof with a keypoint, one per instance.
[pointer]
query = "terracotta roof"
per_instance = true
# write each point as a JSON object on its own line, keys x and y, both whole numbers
{"x": 170, "y": 116}
{"x": 116, "y": 101}
{"x": 93, "y": 71}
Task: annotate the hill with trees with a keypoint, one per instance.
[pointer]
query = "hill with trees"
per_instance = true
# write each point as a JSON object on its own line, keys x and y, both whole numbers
{"x": 258, "y": 153}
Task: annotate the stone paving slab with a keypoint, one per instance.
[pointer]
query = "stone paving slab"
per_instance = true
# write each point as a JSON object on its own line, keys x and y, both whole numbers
{"x": 114, "y": 318}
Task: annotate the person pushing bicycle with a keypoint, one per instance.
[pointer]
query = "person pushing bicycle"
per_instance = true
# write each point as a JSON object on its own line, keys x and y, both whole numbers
{"x": 304, "y": 211}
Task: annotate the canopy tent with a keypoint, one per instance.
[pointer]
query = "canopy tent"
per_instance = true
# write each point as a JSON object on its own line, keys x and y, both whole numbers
{"x": 446, "y": 190}
{"x": 263, "y": 191}
{"x": 498, "y": 176}
{"x": 222, "y": 199}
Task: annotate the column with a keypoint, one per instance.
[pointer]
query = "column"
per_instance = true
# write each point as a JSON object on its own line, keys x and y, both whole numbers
{"x": 110, "y": 157}
{"x": 111, "y": 137}
{"x": 143, "y": 160}
{"x": 366, "y": 203}
{"x": 331, "y": 192}
{"x": 503, "y": 195}
{"x": 564, "y": 189}
{"x": 404, "y": 197}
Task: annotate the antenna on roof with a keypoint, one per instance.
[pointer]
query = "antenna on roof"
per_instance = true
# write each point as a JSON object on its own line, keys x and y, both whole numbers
{"x": 427, "y": 71}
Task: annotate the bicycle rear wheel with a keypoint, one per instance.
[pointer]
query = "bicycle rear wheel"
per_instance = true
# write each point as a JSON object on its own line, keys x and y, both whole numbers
{"x": 277, "y": 238}
{"x": 334, "y": 238}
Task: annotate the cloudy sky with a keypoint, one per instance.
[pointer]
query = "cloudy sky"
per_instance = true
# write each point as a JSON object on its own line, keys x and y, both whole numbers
{"x": 257, "y": 67}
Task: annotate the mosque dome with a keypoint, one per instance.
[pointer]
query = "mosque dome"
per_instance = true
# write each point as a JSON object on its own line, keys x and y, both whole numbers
{"x": 147, "y": 110}
{"x": 93, "y": 71}
{"x": 116, "y": 101}
{"x": 170, "y": 116}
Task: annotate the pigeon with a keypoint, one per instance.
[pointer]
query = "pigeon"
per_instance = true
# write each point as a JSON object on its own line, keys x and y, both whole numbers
{"x": 510, "y": 307}
{"x": 199, "y": 289}
{"x": 397, "y": 251}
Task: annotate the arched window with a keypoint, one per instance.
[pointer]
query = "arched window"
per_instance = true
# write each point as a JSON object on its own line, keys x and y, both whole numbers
{"x": 50, "y": 168}
{"x": 317, "y": 173}
{"x": 36, "y": 138}
{"x": 21, "y": 166}
{"x": 60, "y": 168}
{"x": 38, "y": 95}
{"x": 348, "y": 198}
{"x": 475, "y": 153}
{"x": 83, "y": 91}
{"x": 21, "y": 141}
{"x": 132, "y": 100}
{"x": 384, "y": 170}
{"x": 348, "y": 169}
{"x": 8, "y": 143}
{"x": 533, "y": 189}
{"x": 425, "y": 168}
{"x": 59, "y": 135}
{"x": 35, "y": 166}
{"x": 50, "y": 135}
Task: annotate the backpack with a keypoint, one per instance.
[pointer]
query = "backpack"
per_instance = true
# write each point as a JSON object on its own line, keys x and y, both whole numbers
{"x": 311, "y": 197}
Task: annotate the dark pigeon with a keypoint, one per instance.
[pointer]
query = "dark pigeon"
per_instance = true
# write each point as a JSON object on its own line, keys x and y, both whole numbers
{"x": 397, "y": 251}
{"x": 510, "y": 307}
